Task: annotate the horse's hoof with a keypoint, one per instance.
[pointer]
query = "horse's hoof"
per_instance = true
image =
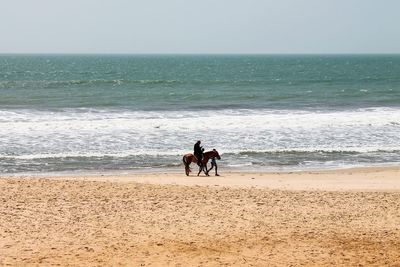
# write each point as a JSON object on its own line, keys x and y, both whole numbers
{"x": 217, "y": 175}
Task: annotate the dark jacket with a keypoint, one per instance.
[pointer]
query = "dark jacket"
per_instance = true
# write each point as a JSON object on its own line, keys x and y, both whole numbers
{"x": 198, "y": 150}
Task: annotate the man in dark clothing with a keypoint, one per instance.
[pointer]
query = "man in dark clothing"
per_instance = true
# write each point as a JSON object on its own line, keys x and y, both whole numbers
{"x": 198, "y": 152}
{"x": 214, "y": 165}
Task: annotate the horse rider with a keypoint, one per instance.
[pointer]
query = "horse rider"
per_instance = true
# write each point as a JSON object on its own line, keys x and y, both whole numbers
{"x": 198, "y": 152}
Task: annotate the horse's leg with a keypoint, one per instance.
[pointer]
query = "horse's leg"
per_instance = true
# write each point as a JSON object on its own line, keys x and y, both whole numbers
{"x": 201, "y": 168}
{"x": 206, "y": 170}
{"x": 205, "y": 161}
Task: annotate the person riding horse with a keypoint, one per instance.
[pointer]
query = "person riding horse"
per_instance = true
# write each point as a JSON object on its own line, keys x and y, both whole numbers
{"x": 206, "y": 156}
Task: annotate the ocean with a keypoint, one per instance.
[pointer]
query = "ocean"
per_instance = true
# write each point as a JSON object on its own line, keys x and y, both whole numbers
{"x": 127, "y": 113}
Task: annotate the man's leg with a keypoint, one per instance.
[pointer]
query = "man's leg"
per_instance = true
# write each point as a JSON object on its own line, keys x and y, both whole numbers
{"x": 216, "y": 170}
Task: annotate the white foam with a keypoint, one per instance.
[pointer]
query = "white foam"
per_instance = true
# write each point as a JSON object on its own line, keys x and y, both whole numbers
{"x": 91, "y": 132}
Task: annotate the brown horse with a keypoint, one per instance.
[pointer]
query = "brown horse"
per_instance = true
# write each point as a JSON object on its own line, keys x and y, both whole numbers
{"x": 189, "y": 158}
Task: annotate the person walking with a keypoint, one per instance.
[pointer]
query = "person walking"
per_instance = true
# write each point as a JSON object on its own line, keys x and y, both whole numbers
{"x": 214, "y": 165}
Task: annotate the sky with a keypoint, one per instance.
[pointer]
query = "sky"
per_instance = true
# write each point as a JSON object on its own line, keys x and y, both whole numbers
{"x": 200, "y": 27}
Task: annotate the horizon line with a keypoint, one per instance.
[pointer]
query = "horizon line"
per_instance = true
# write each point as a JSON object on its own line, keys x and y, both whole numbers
{"x": 193, "y": 54}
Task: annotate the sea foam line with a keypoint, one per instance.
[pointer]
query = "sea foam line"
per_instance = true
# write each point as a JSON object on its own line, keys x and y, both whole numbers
{"x": 179, "y": 153}
{"x": 229, "y": 119}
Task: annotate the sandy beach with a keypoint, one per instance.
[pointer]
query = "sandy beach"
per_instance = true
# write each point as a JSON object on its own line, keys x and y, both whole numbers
{"x": 321, "y": 218}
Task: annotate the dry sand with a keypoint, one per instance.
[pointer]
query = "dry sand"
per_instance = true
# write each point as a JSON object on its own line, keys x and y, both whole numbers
{"x": 330, "y": 218}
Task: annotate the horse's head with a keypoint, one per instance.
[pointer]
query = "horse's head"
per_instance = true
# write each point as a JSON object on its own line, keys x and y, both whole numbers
{"x": 216, "y": 154}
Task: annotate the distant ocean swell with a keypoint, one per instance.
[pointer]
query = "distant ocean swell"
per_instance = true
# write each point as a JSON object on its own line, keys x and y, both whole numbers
{"x": 27, "y": 83}
{"x": 96, "y": 82}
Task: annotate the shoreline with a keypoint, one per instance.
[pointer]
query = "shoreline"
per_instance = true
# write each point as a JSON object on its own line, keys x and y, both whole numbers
{"x": 179, "y": 169}
{"x": 350, "y": 179}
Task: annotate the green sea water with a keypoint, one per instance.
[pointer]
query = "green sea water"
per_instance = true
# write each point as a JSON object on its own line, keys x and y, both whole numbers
{"x": 199, "y": 82}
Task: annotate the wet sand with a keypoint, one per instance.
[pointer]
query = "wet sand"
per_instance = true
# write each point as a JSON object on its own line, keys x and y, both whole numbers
{"x": 344, "y": 217}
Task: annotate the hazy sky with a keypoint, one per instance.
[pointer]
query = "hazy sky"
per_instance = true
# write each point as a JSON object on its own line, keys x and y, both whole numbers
{"x": 201, "y": 26}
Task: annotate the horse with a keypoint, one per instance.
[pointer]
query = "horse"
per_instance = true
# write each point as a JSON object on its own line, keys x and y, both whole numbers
{"x": 189, "y": 158}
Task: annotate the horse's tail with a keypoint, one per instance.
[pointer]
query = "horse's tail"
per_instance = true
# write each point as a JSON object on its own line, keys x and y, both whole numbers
{"x": 187, "y": 168}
